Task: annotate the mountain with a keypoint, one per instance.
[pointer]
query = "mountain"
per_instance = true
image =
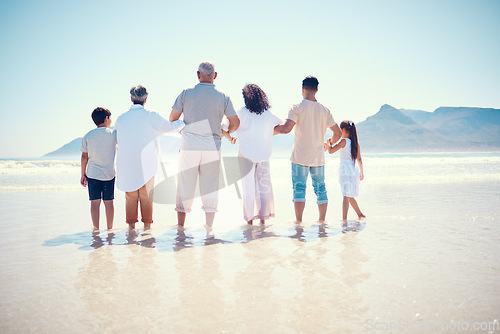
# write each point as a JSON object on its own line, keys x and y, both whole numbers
{"x": 390, "y": 130}
{"x": 447, "y": 129}
{"x": 479, "y": 126}
{"x": 70, "y": 149}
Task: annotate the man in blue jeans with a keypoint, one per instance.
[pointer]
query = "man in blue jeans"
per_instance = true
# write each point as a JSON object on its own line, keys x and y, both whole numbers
{"x": 312, "y": 119}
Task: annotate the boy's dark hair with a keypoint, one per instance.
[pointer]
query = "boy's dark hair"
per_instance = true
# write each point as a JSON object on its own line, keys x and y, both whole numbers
{"x": 99, "y": 115}
{"x": 255, "y": 99}
{"x": 310, "y": 83}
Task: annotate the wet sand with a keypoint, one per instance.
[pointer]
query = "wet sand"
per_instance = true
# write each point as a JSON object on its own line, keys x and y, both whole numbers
{"x": 426, "y": 257}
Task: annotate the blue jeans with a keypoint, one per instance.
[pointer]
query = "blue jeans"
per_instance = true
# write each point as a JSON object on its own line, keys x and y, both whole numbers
{"x": 299, "y": 178}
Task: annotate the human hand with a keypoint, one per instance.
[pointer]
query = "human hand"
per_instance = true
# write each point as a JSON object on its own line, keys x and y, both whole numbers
{"x": 83, "y": 180}
{"x": 329, "y": 141}
{"x": 325, "y": 146}
{"x": 233, "y": 140}
{"x": 361, "y": 176}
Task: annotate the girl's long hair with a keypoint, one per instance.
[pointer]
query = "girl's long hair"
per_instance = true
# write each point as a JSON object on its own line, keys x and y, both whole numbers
{"x": 353, "y": 136}
{"x": 255, "y": 99}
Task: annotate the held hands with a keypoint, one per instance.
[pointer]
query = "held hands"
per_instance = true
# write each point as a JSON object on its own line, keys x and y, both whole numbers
{"x": 328, "y": 144}
{"x": 83, "y": 180}
{"x": 233, "y": 140}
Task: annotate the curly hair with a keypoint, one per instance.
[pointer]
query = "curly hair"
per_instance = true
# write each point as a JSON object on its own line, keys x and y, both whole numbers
{"x": 255, "y": 99}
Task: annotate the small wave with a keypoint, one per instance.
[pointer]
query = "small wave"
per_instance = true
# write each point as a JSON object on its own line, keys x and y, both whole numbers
{"x": 12, "y": 167}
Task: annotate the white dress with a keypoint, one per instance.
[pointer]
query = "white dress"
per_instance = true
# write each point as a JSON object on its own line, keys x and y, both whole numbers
{"x": 348, "y": 172}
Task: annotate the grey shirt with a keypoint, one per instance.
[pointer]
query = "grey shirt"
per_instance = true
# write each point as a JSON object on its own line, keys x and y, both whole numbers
{"x": 100, "y": 144}
{"x": 203, "y": 107}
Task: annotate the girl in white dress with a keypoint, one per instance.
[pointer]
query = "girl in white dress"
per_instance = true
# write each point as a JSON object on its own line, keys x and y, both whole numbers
{"x": 349, "y": 173}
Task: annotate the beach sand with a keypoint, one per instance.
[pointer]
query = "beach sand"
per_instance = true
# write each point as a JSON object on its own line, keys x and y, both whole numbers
{"x": 425, "y": 260}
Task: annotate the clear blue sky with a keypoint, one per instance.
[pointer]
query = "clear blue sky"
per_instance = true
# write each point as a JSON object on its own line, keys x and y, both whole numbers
{"x": 61, "y": 59}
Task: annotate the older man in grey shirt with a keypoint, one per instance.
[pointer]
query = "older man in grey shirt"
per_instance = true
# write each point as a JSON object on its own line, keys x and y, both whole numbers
{"x": 203, "y": 107}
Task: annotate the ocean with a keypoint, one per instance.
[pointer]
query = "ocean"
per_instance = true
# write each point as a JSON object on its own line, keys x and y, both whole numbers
{"x": 424, "y": 260}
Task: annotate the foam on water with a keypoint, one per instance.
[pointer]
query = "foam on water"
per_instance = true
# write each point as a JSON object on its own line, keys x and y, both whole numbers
{"x": 379, "y": 169}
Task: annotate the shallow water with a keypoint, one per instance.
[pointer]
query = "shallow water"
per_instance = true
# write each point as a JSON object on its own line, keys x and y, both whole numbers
{"x": 425, "y": 260}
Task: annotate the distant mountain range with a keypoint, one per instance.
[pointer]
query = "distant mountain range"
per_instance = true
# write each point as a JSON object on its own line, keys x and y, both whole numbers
{"x": 447, "y": 129}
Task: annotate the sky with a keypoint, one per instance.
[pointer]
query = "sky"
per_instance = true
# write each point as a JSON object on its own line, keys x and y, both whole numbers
{"x": 61, "y": 59}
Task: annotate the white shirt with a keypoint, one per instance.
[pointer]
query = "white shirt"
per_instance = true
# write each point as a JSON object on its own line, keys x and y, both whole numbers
{"x": 255, "y": 134}
{"x": 100, "y": 145}
{"x": 137, "y": 133}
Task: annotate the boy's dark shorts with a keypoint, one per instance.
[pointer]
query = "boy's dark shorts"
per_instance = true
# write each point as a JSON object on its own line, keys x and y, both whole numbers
{"x": 104, "y": 190}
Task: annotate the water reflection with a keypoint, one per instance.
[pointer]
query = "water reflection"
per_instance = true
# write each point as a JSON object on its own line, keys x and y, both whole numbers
{"x": 353, "y": 226}
{"x": 177, "y": 239}
{"x": 312, "y": 233}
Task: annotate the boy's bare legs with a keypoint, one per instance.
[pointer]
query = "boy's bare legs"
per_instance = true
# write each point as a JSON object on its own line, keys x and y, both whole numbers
{"x": 94, "y": 212}
{"x": 345, "y": 208}
{"x": 181, "y": 218}
{"x": 110, "y": 213}
{"x": 299, "y": 210}
{"x": 209, "y": 218}
{"x": 322, "y": 212}
{"x": 355, "y": 206}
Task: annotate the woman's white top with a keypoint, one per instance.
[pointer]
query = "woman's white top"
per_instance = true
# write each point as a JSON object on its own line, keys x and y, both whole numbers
{"x": 255, "y": 134}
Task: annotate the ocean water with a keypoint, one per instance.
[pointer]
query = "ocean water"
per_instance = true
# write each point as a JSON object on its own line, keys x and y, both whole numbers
{"x": 425, "y": 259}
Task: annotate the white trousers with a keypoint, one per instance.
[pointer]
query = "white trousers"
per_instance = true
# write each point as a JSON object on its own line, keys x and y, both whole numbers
{"x": 204, "y": 165}
{"x": 258, "y": 199}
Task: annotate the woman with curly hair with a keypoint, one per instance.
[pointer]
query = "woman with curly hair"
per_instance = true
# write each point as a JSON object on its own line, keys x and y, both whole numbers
{"x": 255, "y": 145}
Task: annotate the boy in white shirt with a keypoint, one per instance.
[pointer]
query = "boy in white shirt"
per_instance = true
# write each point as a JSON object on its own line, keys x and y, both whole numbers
{"x": 98, "y": 166}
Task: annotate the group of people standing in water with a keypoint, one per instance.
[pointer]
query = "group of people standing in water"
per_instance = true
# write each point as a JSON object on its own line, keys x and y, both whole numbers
{"x": 134, "y": 141}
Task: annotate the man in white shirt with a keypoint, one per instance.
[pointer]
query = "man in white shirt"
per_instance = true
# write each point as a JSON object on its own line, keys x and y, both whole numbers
{"x": 203, "y": 107}
{"x": 137, "y": 133}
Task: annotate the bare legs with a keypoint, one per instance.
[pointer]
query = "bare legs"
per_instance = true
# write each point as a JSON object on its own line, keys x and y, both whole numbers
{"x": 181, "y": 218}
{"x": 322, "y": 211}
{"x": 299, "y": 210}
{"x": 262, "y": 222}
{"x": 209, "y": 218}
{"x": 110, "y": 213}
{"x": 94, "y": 213}
{"x": 345, "y": 207}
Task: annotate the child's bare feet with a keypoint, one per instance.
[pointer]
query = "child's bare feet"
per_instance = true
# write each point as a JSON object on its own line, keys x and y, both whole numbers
{"x": 361, "y": 216}
{"x": 250, "y": 222}
{"x": 262, "y": 222}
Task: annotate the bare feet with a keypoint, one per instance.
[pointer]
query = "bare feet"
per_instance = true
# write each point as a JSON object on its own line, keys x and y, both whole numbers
{"x": 262, "y": 222}
{"x": 147, "y": 226}
{"x": 361, "y": 216}
{"x": 250, "y": 222}
{"x": 131, "y": 226}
